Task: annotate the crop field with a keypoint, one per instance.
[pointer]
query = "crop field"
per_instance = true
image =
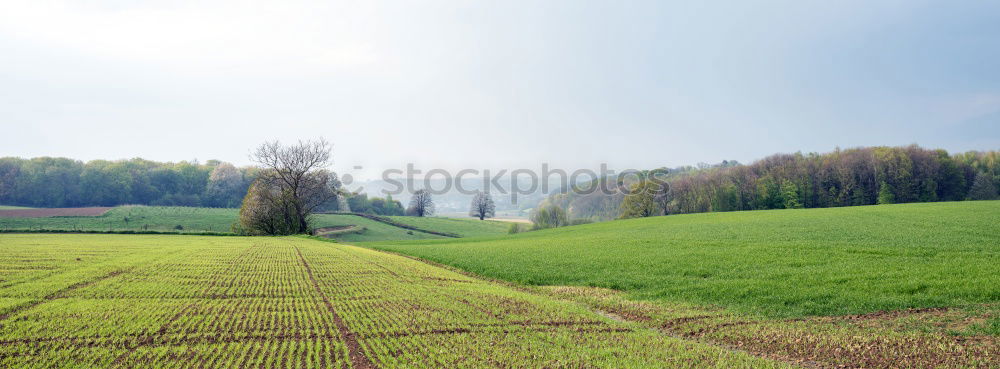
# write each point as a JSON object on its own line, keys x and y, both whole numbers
{"x": 164, "y": 301}
{"x": 470, "y": 227}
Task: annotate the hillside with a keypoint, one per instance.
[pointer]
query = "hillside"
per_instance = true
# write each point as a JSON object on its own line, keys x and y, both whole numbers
{"x": 462, "y": 227}
{"x": 219, "y": 220}
{"x": 778, "y": 263}
{"x": 851, "y": 177}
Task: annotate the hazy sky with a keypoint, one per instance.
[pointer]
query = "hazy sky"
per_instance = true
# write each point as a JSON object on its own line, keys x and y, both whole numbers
{"x": 499, "y": 84}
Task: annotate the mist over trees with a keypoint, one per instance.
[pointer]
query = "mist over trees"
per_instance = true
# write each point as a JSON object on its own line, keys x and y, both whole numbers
{"x": 859, "y": 176}
{"x": 291, "y": 185}
{"x": 62, "y": 182}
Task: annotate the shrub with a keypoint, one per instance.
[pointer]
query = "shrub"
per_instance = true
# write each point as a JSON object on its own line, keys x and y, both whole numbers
{"x": 549, "y": 216}
{"x": 514, "y": 228}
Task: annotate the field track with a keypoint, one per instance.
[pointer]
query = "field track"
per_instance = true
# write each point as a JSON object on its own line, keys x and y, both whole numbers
{"x": 234, "y": 302}
{"x": 54, "y": 212}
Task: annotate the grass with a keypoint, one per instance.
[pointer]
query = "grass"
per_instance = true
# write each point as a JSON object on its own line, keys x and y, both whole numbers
{"x": 374, "y": 230}
{"x": 470, "y": 227}
{"x": 193, "y": 219}
{"x": 187, "y": 301}
{"x": 136, "y": 218}
{"x": 776, "y": 264}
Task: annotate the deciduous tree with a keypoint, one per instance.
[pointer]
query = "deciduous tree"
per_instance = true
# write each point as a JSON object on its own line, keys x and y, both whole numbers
{"x": 983, "y": 188}
{"x": 421, "y": 204}
{"x": 482, "y": 206}
{"x": 293, "y": 183}
{"x": 549, "y": 216}
{"x": 641, "y": 201}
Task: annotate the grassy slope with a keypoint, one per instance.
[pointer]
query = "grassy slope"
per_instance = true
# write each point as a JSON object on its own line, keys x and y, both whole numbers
{"x": 464, "y": 227}
{"x": 374, "y": 230}
{"x": 166, "y": 218}
{"x": 9, "y": 207}
{"x": 152, "y": 218}
{"x": 777, "y": 263}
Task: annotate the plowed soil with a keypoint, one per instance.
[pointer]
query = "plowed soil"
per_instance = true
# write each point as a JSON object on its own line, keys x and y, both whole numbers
{"x": 54, "y": 212}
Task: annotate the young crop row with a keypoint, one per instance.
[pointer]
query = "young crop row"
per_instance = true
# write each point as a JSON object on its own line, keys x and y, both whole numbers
{"x": 173, "y": 301}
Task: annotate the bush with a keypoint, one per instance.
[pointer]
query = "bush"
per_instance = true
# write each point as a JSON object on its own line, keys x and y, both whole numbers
{"x": 514, "y": 228}
{"x": 549, "y": 216}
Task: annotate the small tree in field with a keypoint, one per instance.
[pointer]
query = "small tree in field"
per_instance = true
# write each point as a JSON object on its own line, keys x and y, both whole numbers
{"x": 290, "y": 186}
{"x": 421, "y": 204}
{"x": 482, "y": 206}
{"x": 983, "y": 188}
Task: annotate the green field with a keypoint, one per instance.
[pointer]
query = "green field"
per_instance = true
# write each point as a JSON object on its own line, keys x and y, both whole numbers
{"x": 8, "y": 207}
{"x": 166, "y": 301}
{"x": 374, "y": 230}
{"x": 471, "y": 227}
{"x": 193, "y": 219}
{"x": 135, "y": 218}
{"x": 777, "y": 264}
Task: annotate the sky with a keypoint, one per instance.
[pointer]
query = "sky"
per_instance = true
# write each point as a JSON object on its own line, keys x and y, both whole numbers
{"x": 496, "y": 84}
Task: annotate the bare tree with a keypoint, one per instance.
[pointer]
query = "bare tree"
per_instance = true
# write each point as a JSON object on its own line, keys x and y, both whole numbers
{"x": 292, "y": 184}
{"x": 421, "y": 204}
{"x": 482, "y": 206}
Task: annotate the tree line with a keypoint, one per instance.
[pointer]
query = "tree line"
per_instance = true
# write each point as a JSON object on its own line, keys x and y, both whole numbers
{"x": 63, "y": 182}
{"x": 858, "y": 176}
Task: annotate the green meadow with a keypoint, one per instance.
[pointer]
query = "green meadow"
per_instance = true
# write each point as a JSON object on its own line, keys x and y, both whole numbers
{"x": 777, "y": 263}
{"x": 471, "y": 227}
{"x": 219, "y": 220}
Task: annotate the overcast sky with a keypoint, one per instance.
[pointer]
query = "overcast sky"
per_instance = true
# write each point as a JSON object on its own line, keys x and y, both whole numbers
{"x": 496, "y": 84}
